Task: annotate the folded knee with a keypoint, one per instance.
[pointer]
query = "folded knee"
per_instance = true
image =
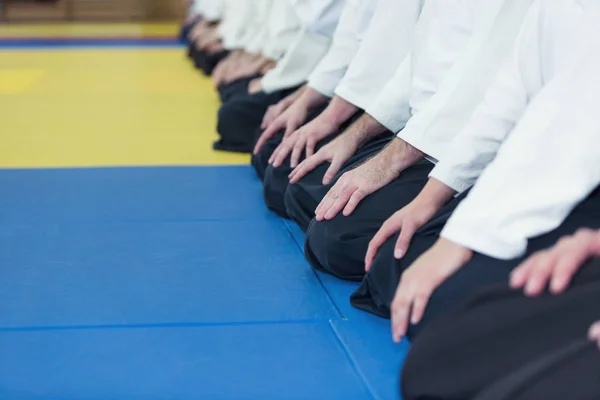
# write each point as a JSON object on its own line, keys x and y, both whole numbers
{"x": 275, "y": 185}
{"x": 421, "y": 377}
{"x": 337, "y": 248}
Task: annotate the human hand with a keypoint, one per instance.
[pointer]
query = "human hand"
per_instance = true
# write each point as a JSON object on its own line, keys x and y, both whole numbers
{"x": 267, "y": 66}
{"x": 595, "y": 333}
{"x": 353, "y": 186}
{"x": 406, "y": 221}
{"x": 421, "y": 279}
{"x": 274, "y": 111}
{"x": 337, "y": 152}
{"x": 220, "y": 71}
{"x": 255, "y": 86}
{"x": 208, "y": 38}
{"x": 556, "y": 266}
{"x": 304, "y": 140}
{"x": 293, "y": 117}
{"x": 216, "y": 47}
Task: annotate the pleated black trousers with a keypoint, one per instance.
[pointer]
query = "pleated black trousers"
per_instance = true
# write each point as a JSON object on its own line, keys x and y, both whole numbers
{"x": 338, "y": 246}
{"x": 302, "y": 198}
{"x": 501, "y": 345}
{"x": 276, "y": 181}
{"x": 240, "y": 117}
{"x": 260, "y": 161}
{"x": 205, "y": 61}
{"x": 377, "y": 290}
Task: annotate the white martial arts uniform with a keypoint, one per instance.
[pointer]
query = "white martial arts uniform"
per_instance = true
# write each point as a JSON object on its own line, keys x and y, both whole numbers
{"x": 266, "y": 27}
{"x": 386, "y": 43}
{"x": 319, "y": 20}
{"x": 237, "y": 23}
{"x": 459, "y": 48}
{"x": 354, "y": 23}
{"x": 532, "y": 146}
{"x": 282, "y": 28}
{"x": 211, "y": 10}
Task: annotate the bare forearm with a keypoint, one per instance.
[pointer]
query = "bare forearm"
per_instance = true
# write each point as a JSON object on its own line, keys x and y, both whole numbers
{"x": 310, "y": 98}
{"x": 296, "y": 95}
{"x": 260, "y": 62}
{"x": 402, "y": 155}
{"x": 364, "y": 129}
{"x": 339, "y": 111}
{"x": 436, "y": 194}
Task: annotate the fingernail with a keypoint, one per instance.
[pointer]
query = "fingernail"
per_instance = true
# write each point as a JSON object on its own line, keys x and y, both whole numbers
{"x": 398, "y": 253}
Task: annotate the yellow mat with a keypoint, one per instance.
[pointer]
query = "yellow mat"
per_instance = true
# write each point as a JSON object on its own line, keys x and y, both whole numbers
{"x": 106, "y": 107}
{"x": 83, "y": 30}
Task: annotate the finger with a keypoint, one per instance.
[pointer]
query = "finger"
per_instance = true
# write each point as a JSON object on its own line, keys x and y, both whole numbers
{"x": 291, "y": 127}
{"x": 418, "y": 307}
{"x": 353, "y": 202}
{"x": 400, "y": 314}
{"x": 564, "y": 271}
{"x": 384, "y": 233}
{"x": 305, "y": 167}
{"x": 519, "y": 276}
{"x": 266, "y": 135}
{"x": 275, "y": 154}
{"x": 539, "y": 276}
{"x": 283, "y": 153}
{"x": 297, "y": 152}
{"x": 339, "y": 203}
{"x": 327, "y": 202}
{"x": 310, "y": 147}
{"x": 406, "y": 234}
{"x": 267, "y": 118}
{"x": 332, "y": 171}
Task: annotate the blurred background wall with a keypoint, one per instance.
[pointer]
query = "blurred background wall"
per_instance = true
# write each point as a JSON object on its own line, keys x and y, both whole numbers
{"x": 90, "y": 10}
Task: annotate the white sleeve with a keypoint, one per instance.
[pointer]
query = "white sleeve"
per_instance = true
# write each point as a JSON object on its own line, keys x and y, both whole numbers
{"x": 320, "y": 17}
{"x": 505, "y": 102}
{"x": 282, "y": 27}
{"x": 548, "y": 165}
{"x": 295, "y": 66}
{"x": 353, "y": 24}
{"x": 464, "y": 86}
{"x": 319, "y": 20}
{"x": 257, "y": 32}
{"x": 237, "y": 21}
{"x": 376, "y": 61}
{"x": 391, "y": 107}
{"x": 197, "y": 6}
{"x": 212, "y": 10}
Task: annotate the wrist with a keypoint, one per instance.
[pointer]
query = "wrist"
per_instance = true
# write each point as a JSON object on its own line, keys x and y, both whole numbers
{"x": 435, "y": 195}
{"x": 310, "y": 98}
{"x": 401, "y": 156}
{"x": 455, "y": 251}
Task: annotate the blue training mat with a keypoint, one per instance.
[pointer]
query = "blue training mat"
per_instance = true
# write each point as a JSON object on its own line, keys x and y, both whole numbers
{"x": 154, "y": 283}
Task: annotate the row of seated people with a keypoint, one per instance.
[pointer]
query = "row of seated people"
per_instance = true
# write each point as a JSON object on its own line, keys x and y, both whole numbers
{"x": 431, "y": 150}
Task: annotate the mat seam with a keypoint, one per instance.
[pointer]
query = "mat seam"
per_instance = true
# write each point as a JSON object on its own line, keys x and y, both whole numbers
{"x": 329, "y": 296}
{"x": 353, "y": 362}
{"x": 161, "y": 325}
